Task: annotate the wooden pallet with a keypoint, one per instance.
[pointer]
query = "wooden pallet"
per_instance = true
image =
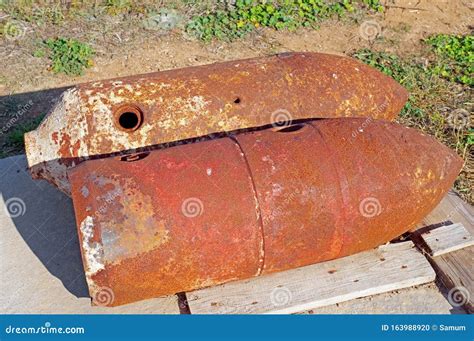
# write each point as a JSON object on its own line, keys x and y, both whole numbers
{"x": 445, "y": 235}
{"x": 454, "y": 268}
{"x": 386, "y": 268}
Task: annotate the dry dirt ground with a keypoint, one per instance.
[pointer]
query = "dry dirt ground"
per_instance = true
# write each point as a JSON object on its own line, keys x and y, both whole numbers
{"x": 125, "y": 48}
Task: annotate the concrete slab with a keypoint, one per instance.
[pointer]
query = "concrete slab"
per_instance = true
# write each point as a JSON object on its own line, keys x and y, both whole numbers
{"x": 40, "y": 262}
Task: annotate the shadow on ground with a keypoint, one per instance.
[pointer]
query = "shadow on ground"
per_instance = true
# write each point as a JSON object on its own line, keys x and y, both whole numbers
{"x": 20, "y": 110}
{"x": 44, "y": 217}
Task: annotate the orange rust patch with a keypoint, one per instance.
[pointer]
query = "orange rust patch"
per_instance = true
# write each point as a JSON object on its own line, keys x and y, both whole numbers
{"x": 198, "y": 101}
{"x": 206, "y": 213}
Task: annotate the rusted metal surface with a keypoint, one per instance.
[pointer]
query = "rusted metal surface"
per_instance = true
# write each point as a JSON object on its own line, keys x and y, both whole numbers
{"x": 186, "y": 103}
{"x": 205, "y": 213}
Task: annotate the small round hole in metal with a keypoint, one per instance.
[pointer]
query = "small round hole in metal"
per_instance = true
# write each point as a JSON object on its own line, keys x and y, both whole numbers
{"x": 129, "y": 117}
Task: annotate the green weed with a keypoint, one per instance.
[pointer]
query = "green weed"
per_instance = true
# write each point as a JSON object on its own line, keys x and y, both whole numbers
{"x": 246, "y": 15}
{"x": 373, "y": 4}
{"x": 67, "y": 56}
{"x": 455, "y": 57}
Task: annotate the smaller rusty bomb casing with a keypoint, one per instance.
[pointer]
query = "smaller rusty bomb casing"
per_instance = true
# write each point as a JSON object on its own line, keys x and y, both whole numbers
{"x": 99, "y": 118}
{"x": 205, "y": 213}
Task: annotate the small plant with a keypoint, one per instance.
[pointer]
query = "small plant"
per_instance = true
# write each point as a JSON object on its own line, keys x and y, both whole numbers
{"x": 456, "y": 57}
{"x": 246, "y": 15}
{"x": 68, "y": 56}
{"x": 373, "y": 4}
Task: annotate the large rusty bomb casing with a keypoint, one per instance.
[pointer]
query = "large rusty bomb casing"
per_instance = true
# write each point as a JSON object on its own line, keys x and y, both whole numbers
{"x": 104, "y": 117}
{"x": 205, "y": 213}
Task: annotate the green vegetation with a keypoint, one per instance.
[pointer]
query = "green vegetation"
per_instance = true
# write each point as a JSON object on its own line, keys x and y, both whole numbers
{"x": 456, "y": 57}
{"x": 429, "y": 93}
{"x": 246, "y": 15}
{"x": 431, "y": 106}
{"x": 68, "y": 56}
{"x": 205, "y": 19}
{"x": 58, "y": 12}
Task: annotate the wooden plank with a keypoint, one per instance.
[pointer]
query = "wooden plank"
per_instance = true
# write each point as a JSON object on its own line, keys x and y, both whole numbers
{"x": 447, "y": 238}
{"x": 389, "y": 267}
{"x": 455, "y": 268}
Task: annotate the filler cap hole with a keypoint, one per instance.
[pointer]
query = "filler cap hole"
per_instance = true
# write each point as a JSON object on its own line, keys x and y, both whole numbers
{"x": 129, "y": 118}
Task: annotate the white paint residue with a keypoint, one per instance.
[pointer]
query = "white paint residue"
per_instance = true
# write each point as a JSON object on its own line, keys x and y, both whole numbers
{"x": 84, "y": 191}
{"x": 267, "y": 158}
{"x": 276, "y": 189}
{"x": 92, "y": 250}
{"x": 40, "y": 146}
{"x": 187, "y": 109}
{"x": 116, "y": 99}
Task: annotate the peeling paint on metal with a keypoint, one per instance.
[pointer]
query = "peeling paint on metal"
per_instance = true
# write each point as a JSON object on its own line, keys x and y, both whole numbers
{"x": 193, "y": 102}
{"x": 276, "y": 200}
{"x": 92, "y": 249}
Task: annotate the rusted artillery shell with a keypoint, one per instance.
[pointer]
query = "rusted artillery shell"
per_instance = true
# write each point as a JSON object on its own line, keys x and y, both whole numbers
{"x": 110, "y": 116}
{"x": 205, "y": 213}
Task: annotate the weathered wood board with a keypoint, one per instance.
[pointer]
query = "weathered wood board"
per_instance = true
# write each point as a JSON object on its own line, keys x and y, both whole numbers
{"x": 447, "y": 238}
{"x": 389, "y": 267}
{"x": 455, "y": 269}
